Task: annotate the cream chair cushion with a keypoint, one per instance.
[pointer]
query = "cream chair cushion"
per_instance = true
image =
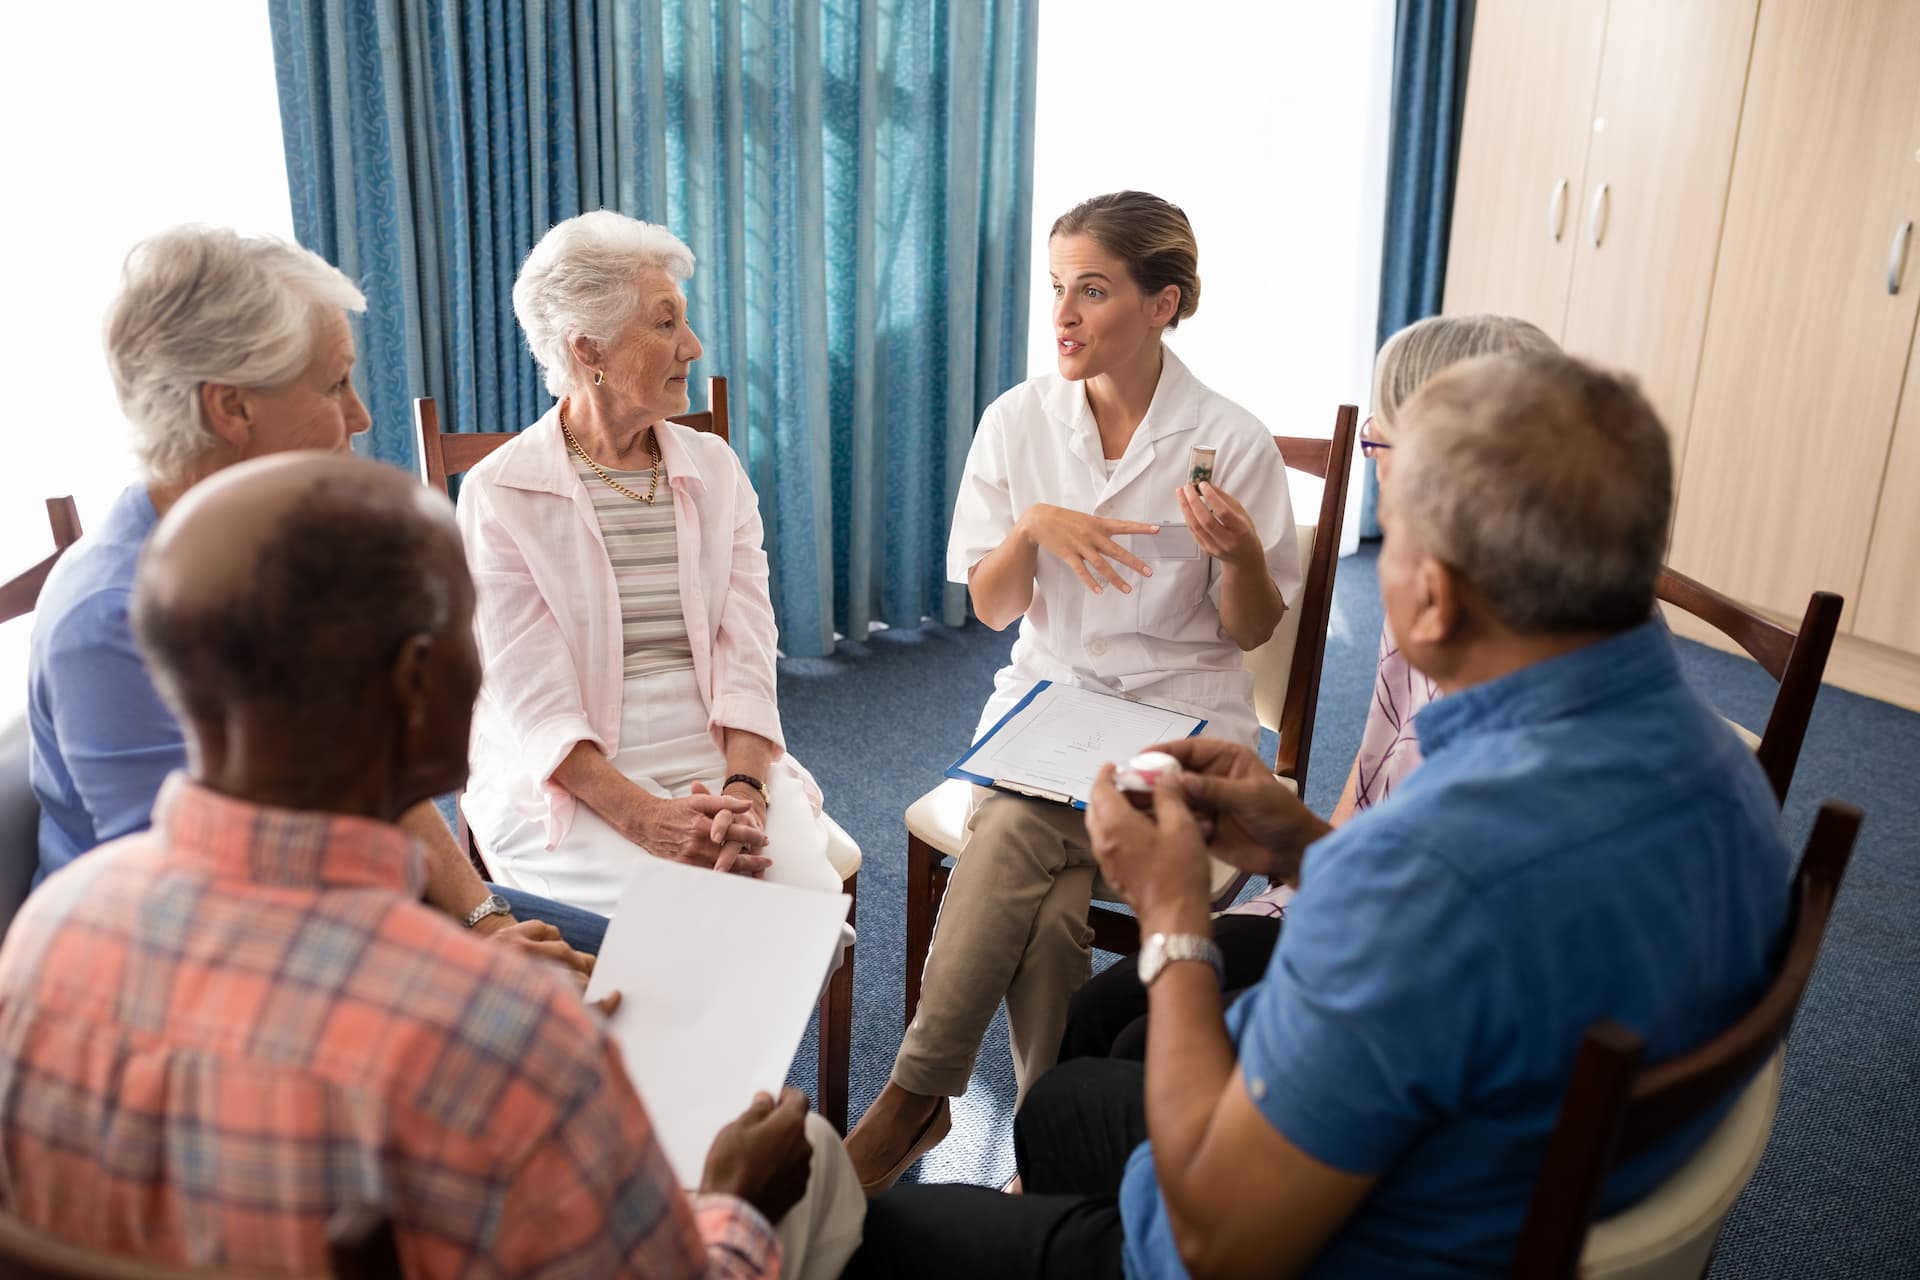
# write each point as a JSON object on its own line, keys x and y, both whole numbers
{"x": 842, "y": 852}
{"x": 1747, "y": 735}
{"x": 940, "y": 816}
{"x": 1272, "y": 662}
{"x": 1670, "y": 1234}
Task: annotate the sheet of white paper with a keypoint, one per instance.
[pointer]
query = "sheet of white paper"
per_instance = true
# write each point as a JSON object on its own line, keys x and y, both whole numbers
{"x": 717, "y": 975}
{"x": 1058, "y": 741}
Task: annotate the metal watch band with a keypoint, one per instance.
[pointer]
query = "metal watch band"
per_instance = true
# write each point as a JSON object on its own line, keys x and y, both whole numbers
{"x": 1181, "y": 946}
{"x": 492, "y": 905}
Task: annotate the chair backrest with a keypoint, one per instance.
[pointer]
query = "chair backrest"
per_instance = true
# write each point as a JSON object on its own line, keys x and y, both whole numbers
{"x": 63, "y": 516}
{"x": 360, "y": 1246}
{"x": 1286, "y": 669}
{"x": 19, "y": 807}
{"x": 19, "y": 595}
{"x": 19, "y": 822}
{"x": 448, "y": 453}
{"x": 1797, "y": 659}
{"x": 1613, "y": 1111}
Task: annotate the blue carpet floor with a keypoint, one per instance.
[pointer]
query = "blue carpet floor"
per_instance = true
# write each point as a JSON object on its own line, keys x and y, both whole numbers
{"x": 1839, "y": 1191}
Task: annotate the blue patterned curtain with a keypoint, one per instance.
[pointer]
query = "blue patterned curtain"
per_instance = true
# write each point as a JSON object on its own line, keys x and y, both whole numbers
{"x": 1431, "y": 41}
{"x": 853, "y": 175}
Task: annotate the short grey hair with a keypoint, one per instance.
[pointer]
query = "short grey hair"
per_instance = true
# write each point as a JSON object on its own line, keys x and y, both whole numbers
{"x": 200, "y": 304}
{"x": 1416, "y": 353}
{"x": 579, "y": 283}
{"x": 1544, "y": 482}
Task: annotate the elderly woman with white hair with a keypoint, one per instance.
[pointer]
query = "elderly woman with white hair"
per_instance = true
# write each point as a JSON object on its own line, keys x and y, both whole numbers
{"x": 621, "y": 603}
{"x": 223, "y": 347}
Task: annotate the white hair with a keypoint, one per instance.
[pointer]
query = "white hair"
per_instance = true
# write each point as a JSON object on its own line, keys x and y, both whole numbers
{"x": 1416, "y": 353}
{"x": 579, "y": 283}
{"x": 200, "y": 304}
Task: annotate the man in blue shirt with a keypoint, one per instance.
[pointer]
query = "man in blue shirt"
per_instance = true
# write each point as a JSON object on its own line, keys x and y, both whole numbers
{"x": 1585, "y": 841}
{"x": 222, "y": 348}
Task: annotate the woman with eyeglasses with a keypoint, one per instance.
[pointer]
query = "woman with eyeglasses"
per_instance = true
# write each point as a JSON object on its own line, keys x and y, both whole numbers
{"x": 1107, "y": 1017}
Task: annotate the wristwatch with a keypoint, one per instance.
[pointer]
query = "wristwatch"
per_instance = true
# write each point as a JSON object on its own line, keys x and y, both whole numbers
{"x": 492, "y": 905}
{"x": 1162, "y": 949}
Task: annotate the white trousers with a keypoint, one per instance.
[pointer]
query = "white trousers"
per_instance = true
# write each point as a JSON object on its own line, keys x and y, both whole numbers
{"x": 665, "y": 748}
{"x": 819, "y": 1234}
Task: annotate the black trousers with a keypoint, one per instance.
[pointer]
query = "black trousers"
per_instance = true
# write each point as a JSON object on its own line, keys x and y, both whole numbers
{"x": 1071, "y": 1139}
{"x": 1107, "y": 1018}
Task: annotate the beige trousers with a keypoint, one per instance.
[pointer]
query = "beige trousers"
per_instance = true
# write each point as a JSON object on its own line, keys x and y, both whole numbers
{"x": 819, "y": 1234}
{"x": 1012, "y": 926}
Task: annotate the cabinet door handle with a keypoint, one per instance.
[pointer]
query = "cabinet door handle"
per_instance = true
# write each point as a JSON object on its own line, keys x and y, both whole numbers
{"x": 1597, "y": 215}
{"x": 1897, "y": 257}
{"x": 1557, "y": 210}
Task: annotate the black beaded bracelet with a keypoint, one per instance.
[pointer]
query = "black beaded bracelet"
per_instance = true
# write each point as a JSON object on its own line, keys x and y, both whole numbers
{"x": 751, "y": 781}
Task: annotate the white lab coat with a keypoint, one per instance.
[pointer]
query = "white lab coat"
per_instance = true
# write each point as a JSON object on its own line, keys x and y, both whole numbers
{"x": 1162, "y": 643}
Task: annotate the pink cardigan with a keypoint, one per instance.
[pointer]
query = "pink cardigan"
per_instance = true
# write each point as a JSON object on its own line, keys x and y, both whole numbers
{"x": 547, "y": 611}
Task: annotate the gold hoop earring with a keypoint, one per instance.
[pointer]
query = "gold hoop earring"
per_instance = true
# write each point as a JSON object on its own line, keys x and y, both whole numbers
{"x": 599, "y": 376}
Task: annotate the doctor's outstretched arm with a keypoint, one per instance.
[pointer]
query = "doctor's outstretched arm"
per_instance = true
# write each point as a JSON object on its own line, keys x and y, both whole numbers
{"x": 1002, "y": 582}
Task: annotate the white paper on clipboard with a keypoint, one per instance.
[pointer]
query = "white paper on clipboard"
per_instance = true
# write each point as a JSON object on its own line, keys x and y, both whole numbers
{"x": 1053, "y": 742}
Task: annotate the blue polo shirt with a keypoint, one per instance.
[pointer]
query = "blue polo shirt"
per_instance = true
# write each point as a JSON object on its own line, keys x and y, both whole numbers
{"x": 1586, "y": 840}
{"x": 101, "y": 741}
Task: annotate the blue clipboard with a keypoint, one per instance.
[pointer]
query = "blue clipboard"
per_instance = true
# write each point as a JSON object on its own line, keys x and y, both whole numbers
{"x": 958, "y": 770}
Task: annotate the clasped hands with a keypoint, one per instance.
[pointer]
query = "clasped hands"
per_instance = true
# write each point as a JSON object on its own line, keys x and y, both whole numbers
{"x": 725, "y": 832}
{"x": 1227, "y": 804}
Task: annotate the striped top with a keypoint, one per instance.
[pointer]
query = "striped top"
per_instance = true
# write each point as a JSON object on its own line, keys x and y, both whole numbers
{"x": 645, "y": 552}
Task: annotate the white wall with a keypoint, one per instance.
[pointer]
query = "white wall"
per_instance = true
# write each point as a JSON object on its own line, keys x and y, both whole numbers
{"x": 1266, "y": 120}
{"x": 122, "y": 117}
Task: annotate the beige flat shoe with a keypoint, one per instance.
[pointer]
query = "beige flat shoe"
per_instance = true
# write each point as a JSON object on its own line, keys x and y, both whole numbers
{"x": 938, "y": 1126}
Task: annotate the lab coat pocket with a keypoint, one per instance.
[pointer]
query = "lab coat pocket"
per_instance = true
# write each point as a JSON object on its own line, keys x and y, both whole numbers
{"x": 1174, "y": 599}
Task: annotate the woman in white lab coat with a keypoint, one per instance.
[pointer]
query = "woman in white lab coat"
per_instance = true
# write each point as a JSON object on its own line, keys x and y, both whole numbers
{"x": 1075, "y": 516}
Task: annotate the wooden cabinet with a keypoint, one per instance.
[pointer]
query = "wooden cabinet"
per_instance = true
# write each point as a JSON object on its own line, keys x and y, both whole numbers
{"x": 1523, "y": 151}
{"x": 1806, "y": 349}
{"x": 1890, "y": 590}
{"x": 1664, "y": 123}
{"x": 1593, "y": 176}
{"x": 1745, "y": 168}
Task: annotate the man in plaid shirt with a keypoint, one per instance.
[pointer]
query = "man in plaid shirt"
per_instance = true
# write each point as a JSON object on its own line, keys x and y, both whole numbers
{"x": 217, "y": 1034}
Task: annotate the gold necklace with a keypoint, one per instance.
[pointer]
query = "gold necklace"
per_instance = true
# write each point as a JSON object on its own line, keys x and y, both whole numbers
{"x": 653, "y": 447}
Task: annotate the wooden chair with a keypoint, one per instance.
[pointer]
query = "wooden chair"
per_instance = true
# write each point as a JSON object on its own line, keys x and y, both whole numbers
{"x": 444, "y": 454}
{"x": 19, "y": 807}
{"x": 1286, "y": 691}
{"x": 19, "y": 595}
{"x": 1613, "y": 1111}
{"x": 1797, "y": 659}
{"x": 360, "y": 1246}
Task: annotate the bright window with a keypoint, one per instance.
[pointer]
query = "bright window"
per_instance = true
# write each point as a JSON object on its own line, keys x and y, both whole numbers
{"x": 124, "y": 117}
{"x": 1267, "y": 123}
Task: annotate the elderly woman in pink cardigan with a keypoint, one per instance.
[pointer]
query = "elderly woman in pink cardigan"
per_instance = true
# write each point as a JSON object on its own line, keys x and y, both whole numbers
{"x": 621, "y": 604}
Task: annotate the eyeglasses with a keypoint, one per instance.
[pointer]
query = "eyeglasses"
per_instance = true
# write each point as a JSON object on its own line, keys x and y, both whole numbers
{"x": 1370, "y": 447}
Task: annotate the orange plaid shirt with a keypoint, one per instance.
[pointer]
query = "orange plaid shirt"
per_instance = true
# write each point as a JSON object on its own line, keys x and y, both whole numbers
{"x": 216, "y": 1034}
